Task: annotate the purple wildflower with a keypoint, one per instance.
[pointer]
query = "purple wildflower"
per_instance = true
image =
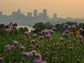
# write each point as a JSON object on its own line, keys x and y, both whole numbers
{"x": 26, "y": 33}
{"x": 69, "y": 27}
{"x": 51, "y": 31}
{"x": 34, "y": 35}
{"x": 38, "y": 61}
{"x": 1, "y": 59}
{"x": 57, "y": 44}
{"x": 46, "y": 31}
{"x": 22, "y": 48}
{"x": 24, "y": 53}
{"x": 29, "y": 55}
{"x": 8, "y": 47}
{"x": 33, "y": 52}
{"x": 65, "y": 26}
{"x": 7, "y": 30}
{"x": 15, "y": 43}
{"x": 77, "y": 25}
{"x": 41, "y": 37}
{"x": 12, "y": 46}
{"x": 66, "y": 31}
{"x": 33, "y": 41}
{"x": 54, "y": 29}
{"x": 81, "y": 29}
{"x": 80, "y": 37}
{"x": 48, "y": 35}
{"x": 61, "y": 39}
{"x": 38, "y": 56}
{"x": 74, "y": 26}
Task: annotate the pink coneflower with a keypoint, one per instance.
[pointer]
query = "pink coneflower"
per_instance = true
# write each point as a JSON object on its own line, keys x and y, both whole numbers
{"x": 8, "y": 47}
{"x": 42, "y": 32}
{"x": 24, "y": 53}
{"x": 29, "y": 55}
{"x": 63, "y": 34}
{"x": 41, "y": 37}
{"x": 57, "y": 44}
{"x": 74, "y": 26}
{"x": 12, "y": 46}
{"x": 1, "y": 59}
{"x": 80, "y": 37}
{"x": 61, "y": 39}
{"x": 34, "y": 35}
{"x": 38, "y": 61}
{"x": 44, "y": 61}
{"x": 77, "y": 25}
{"x": 48, "y": 36}
{"x": 26, "y": 33}
{"x": 65, "y": 26}
{"x": 66, "y": 31}
{"x": 15, "y": 43}
{"x": 22, "y": 48}
{"x": 37, "y": 44}
{"x": 51, "y": 31}
{"x": 46, "y": 31}
{"x": 33, "y": 52}
{"x": 38, "y": 56}
{"x": 7, "y": 30}
{"x": 69, "y": 27}
{"x": 54, "y": 29}
{"x": 81, "y": 29}
{"x": 33, "y": 41}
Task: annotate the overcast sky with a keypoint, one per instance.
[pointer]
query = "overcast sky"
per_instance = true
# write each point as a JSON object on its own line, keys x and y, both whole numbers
{"x": 63, "y": 8}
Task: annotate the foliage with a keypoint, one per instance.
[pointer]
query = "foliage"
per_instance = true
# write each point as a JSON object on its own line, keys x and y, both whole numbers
{"x": 49, "y": 46}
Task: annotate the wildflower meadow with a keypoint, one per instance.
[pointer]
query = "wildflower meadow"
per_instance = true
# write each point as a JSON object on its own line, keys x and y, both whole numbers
{"x": 46, "y": 46}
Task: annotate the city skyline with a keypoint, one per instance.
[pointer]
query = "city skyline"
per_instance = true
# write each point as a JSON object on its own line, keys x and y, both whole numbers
{"x": 35, "y": 13}
{"x": 34, "y": 17}
{"x": 64, "y": 8}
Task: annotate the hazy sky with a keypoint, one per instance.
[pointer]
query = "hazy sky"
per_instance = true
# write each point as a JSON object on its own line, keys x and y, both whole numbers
{"x": 63, "y": 8}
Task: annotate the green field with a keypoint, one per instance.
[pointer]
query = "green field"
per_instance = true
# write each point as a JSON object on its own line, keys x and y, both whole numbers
{"x": 47, "y": 46}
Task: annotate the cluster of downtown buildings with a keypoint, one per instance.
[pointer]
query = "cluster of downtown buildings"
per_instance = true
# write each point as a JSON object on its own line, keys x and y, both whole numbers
{"x": 32, "y": 18}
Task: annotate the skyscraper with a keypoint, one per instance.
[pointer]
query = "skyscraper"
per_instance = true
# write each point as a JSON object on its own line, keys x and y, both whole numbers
{"x": 35, "y": 13}
{"x": 0, "y": 13}
{"x": 44, "y": 12}
{"x": 29, "y": 14}
{"x": 19, "y": 11}
{"x": 54, "y": 16}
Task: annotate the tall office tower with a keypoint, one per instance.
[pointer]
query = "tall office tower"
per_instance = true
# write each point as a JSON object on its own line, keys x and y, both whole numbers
{"x": 0, "y": 13}
{"x": 29, "y": 14}
{"x": 40, "y": 14}
{"x": 19, "y": 11}
{"x": 44, "y": 12}
{"x": 54, "y": 16}
{"x": 35, "y": 13}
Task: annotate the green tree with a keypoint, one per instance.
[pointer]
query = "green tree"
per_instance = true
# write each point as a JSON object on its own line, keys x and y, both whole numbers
{"x": 39, "y": 26}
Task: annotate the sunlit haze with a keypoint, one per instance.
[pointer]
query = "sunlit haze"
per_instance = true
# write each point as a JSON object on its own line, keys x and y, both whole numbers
{"x": 63, "y": 8}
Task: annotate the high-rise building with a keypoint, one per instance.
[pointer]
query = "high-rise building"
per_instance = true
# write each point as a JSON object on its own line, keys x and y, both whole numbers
{"x": 40, "y": 14}
{"x": 44, "y": 12}
{"x": 35, "y": 13}
{"x": 19, "y": 11}
{"x": 54, "y": 16}
{"x": 0, "y": 13}
{"x": 29, "y": 14}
